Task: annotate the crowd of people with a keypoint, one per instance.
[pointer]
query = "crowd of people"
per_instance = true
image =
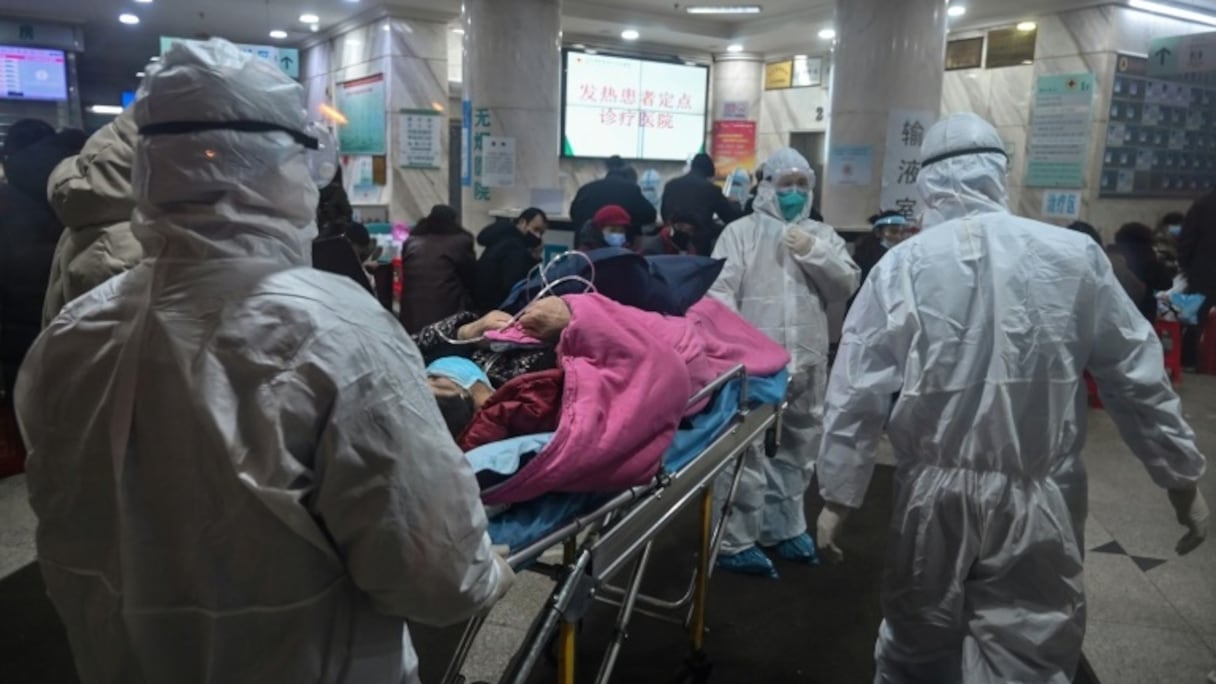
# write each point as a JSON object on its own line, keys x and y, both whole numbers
{"x": 245, "y": 466}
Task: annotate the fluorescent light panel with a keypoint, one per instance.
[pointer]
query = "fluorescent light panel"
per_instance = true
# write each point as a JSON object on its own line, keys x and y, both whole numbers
{"x": 107, "y": 110}
{"x": 723, "y": 9}
{"x": 1174, "y": 11}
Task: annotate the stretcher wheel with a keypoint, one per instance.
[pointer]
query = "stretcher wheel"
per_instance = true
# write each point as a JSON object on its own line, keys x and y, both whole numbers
{"x": 697, "y": 669}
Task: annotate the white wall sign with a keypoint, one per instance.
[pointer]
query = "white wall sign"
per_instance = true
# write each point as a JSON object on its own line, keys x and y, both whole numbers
{"x": 419, "y": 145}
{"x": 735, "y": 110}
{"x": 901, "y": 162}
{"x": 498, "y": 162}
{"x": 851, "y": 165}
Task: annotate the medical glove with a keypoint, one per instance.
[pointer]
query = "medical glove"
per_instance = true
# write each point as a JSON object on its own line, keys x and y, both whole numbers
{"x": 799, "y": 241}
{"x": 830, "y": 519}
{"x": 1192, "y": 511}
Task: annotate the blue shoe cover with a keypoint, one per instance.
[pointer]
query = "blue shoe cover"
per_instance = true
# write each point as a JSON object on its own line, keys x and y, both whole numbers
{"x": 751, "y": 561}
{"x": 800, "y": 549}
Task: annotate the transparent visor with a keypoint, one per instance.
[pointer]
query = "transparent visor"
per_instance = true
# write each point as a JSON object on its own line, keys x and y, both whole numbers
{"x": 320, "y": 146}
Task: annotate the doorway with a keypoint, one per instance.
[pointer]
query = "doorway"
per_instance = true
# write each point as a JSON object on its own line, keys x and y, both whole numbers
{"x": 811, "y": 146}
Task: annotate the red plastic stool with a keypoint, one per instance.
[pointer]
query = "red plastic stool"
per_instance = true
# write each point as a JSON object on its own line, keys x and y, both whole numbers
{"x": 1091, "y": 389}
{"x": 1170, "y": 333}
{"x": 1207, "y": 345}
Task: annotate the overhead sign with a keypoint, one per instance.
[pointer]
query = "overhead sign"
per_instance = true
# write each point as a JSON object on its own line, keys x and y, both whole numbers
{"x": 1191, "y": 58}
{"x": 901, "y": 161}
{"x": 779, "y": 75}
{"x": 286, "y": 59}
{"x": 41, "y": 34}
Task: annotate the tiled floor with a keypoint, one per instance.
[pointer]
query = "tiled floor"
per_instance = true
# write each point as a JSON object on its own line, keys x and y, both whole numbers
{"x": 1152, "y": 614}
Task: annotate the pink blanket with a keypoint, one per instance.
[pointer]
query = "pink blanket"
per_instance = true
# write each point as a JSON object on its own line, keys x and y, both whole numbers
{"x": 629, "y": 375}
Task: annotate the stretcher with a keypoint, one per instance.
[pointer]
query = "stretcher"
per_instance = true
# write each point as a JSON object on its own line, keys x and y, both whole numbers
{"x": 598, "y": 545}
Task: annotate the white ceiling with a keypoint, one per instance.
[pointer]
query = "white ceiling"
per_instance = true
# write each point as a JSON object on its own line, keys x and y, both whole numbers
{"x": 114, "y": 52}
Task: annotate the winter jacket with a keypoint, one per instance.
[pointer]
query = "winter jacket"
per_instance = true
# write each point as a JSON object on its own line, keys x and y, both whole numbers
{"x": 1142, "y": 262}
{"x": 438, "y": 277}
{"x": 528, "y": 405}
{"x": 91, "y": 194}
{"x": 600, "y": 193}
{"x": 697, "y": 195}
{"x": 28, "y": 233}
{"x": 1197, "y": 246}
{"x": 502, "y": 367}
{"x": 507, "y": 260}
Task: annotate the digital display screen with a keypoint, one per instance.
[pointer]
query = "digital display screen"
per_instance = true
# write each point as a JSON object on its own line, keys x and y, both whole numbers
{"x": 32, "y": 74}
{"x": 635, "y": 108}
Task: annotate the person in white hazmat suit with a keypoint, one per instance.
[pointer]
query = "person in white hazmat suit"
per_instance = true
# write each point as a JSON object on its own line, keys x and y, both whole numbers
{"x": 238, "y": 471}
{"x": 985, "y": 324}
{"x": 782, "y": 269}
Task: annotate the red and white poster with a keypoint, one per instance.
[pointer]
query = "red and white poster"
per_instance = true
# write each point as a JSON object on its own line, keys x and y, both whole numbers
{"x": 733, "y": 146}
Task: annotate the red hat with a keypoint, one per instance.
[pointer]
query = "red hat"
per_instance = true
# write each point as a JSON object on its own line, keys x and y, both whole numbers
{"x": 611, "y": 215}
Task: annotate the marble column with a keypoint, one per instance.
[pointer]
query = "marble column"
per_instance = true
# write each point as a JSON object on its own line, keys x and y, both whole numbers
{"x": 512, "y": 88}
{"x": 889, "y": 56}
{"x": 738, "y": 83}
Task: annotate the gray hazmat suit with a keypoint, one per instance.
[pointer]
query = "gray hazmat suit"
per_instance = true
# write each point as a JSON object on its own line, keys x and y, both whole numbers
{"x": 786, "y": 297}
{"x": 238, "y": 471}
{"x": 985, "y": 323}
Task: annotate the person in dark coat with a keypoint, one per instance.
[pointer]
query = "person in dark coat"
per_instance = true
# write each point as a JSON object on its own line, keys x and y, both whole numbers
{"x": 676, "y": 238}
{"x": 1134, "y": 242}
{"x": 29, "y": 231}
{"x": 695, "y": 193}
{"x": 511, "y": 252}
{"x": 339, "y": 251}
{"x": 619, "y": 187}
{"x": 1197, "y": 258}
{"x": 438, "y": 270}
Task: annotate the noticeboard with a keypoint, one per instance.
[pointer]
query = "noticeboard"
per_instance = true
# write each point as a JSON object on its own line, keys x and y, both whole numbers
{"x": 1161, "y": 141}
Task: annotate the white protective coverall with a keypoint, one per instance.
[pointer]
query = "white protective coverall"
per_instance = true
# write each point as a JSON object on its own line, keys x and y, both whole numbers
{"x": 238, "y": 471}
{"x": 785, "y": 297}
{"x": 985, "y": 323}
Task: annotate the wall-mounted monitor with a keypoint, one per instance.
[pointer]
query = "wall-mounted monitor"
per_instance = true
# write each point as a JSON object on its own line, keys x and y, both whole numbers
{"x": 635, "y": 108}
{"x": 32, "y": 74}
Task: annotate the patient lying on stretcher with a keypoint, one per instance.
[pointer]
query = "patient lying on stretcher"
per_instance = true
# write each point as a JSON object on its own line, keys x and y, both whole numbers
{"x": 611, "y": 404}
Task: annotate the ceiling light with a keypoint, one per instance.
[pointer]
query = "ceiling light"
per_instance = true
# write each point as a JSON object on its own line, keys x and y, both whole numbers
{"x": 139, "y": 74}
{"x": 128, "y": 19}
{"x": 956, "y": 10}
{"x": 827, "y": 34}
{"x": 1027, "y": 26}
{"x": 105, "y": 110}
{"x": 1171, "y": 11}
{"x": 144, "y": 2}
{"x": 691, "y": 64}
{"x": 629, "y": 34}
{"x": 723, "y": 9}
{"x": 154, "y": 59}
{"x": 309, "y": 18}
{"x": 314, "y": 27}
{"x": 734, "y": 47}
{"x": 278, "y": 34}
{"x": 799, "y": 56}
{"x": 458, "y": 31}
{"x": 579, "y": 46}
{"x": 590, "y": 51}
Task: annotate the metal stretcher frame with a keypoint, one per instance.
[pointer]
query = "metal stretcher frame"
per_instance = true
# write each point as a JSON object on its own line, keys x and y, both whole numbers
{"x": 620, "y": 532}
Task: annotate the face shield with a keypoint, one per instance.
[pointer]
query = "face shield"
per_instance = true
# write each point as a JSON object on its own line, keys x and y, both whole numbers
{"x": 787, "y": 192}
{"x": 320, "y": 148}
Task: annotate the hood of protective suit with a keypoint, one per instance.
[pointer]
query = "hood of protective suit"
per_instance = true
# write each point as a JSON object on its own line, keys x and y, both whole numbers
{"x": 222, "y": 193}
{"x": 94, "y": 187}
{"x": 651, "y": 184}
{"x": 963, "y": 170}
{"x": 783, "y": 162}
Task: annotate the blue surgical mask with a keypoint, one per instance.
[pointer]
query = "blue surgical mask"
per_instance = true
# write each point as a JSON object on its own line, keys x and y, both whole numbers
{"x": 1174, "y": 231}
{"x": 459, "y": 370}
{"x": 615, "y": 239}
{"x": 792, "y": 202}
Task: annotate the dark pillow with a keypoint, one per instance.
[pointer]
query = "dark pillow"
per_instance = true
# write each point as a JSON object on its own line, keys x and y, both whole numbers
{"x": 662, "y": 284}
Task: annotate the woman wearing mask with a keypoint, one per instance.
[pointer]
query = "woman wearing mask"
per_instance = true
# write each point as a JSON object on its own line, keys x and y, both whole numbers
{"x": 438, "y": 270}
{"x": 1134, "y": 243}
{"x": 1165, "y": 239}
{"x": 782, "y": 270}
{"x": 610, "y": 227}
{"x": 512, "y": 250}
